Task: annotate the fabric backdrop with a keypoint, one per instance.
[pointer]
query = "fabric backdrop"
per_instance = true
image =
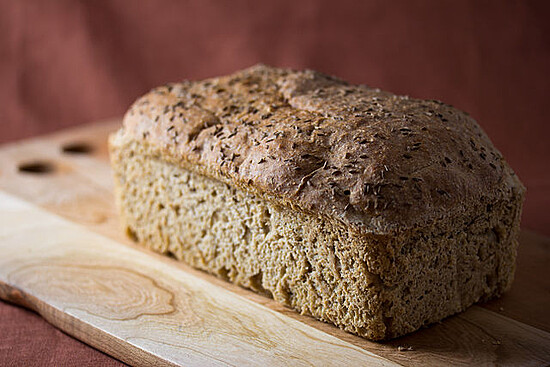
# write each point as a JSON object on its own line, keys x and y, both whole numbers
{"x": 64, "y": 63}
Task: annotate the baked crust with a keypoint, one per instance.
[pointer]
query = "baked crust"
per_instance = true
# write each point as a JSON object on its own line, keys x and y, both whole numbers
{"x": 372, "y": 160}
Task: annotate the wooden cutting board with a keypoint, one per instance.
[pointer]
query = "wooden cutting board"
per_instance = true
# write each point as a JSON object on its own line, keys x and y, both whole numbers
{"x": 63, "y": 255}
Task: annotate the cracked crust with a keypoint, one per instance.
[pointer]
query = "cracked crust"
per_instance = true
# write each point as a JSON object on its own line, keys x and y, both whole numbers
{"x": 374, "y": 161}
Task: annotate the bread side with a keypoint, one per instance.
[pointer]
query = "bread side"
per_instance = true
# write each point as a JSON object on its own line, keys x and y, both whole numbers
{"x": 376, "y": 286}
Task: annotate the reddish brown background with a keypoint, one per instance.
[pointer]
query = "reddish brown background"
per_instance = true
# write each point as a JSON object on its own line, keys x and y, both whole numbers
{"x": 67, "y": 62}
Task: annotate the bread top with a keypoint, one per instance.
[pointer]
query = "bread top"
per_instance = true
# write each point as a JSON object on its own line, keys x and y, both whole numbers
{"x": 372, "y": 160}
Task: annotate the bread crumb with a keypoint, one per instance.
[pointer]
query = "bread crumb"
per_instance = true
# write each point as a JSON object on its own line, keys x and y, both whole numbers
{"x": 402, "y": 348}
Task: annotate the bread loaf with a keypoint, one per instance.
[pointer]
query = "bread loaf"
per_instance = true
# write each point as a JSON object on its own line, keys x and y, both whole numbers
{"x": 375, "y": 212}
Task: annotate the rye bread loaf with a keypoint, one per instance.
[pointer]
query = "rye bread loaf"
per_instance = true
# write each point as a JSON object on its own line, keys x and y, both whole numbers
{"x": 375, "y": 212}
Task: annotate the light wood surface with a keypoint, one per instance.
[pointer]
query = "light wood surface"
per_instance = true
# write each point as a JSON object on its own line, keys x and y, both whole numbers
{"x": 109, "y": 295}
{"x": 92, "y": 282}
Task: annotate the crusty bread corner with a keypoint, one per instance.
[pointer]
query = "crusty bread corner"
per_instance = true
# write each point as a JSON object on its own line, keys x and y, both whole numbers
{"x": 375, "y": 212}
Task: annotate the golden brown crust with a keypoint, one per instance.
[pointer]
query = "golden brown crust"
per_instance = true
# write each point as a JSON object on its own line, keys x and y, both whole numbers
{"x": 366, "y": 158}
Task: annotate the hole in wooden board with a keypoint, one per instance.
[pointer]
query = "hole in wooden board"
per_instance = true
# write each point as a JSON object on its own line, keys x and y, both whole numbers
{"x": 77, "y": 148}
{"x": 36, "y": 167}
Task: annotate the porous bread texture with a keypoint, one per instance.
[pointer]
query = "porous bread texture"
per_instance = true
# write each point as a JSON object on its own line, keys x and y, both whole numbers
{"x": 376, "y": 286}
{"x": 378, "y": 213}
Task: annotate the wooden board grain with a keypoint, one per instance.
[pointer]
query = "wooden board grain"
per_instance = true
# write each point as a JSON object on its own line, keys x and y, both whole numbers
{"x": 104, "y": 292}
{"x": 76, "y": 184}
